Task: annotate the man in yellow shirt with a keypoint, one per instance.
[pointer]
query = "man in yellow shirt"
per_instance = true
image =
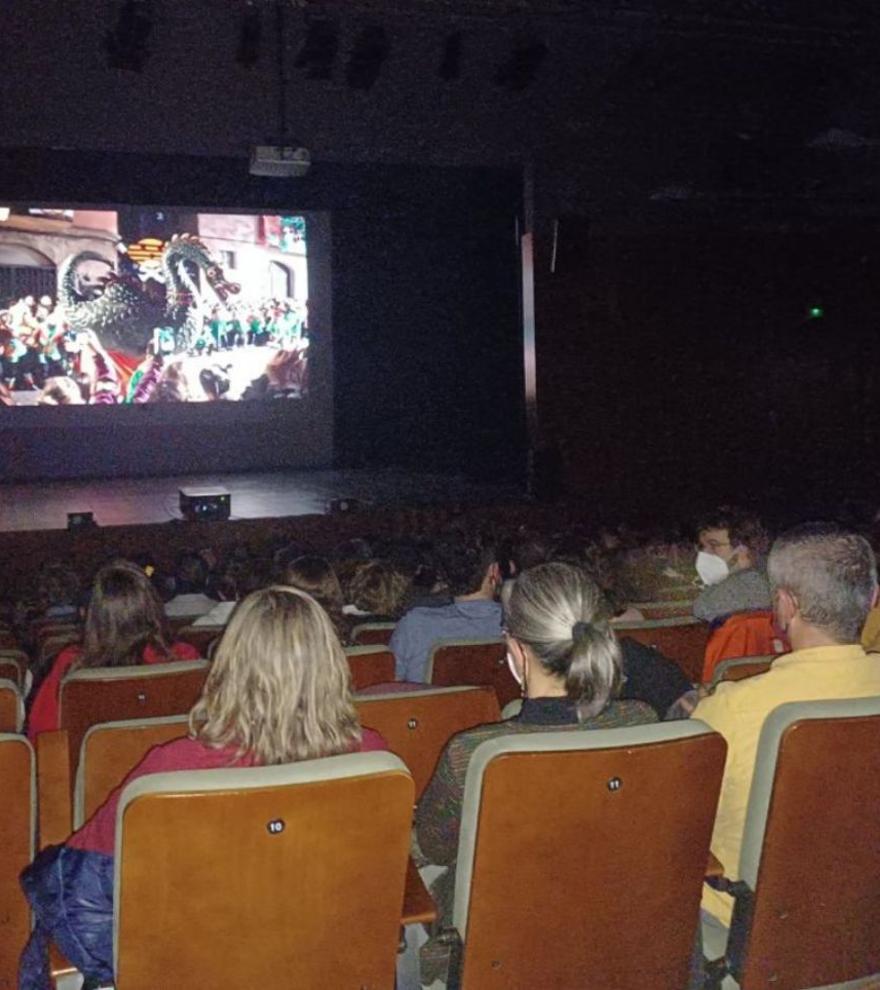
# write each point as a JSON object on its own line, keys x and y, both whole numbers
{"x": 824, "y": 582}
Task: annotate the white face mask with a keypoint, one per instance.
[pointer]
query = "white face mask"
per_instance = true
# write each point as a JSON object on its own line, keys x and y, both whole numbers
{"x": 711, "y": 568}
{"x": 512, "y": 667}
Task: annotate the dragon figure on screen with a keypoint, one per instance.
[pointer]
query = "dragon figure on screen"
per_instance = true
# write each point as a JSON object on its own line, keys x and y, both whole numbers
{"x": 135, "y": 305}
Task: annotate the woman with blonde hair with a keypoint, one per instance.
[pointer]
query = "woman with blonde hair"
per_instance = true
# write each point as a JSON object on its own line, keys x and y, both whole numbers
{"x": 562, "y": 651}
{"x": 278, "y": 692}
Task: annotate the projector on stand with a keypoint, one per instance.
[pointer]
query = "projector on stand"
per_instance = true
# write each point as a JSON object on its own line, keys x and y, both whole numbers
{"x": 278, "y": 162}
{"x": 204, "y": 504}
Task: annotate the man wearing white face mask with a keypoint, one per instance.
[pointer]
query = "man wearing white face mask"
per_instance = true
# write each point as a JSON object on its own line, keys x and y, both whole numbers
{"x": 731, "y": 562}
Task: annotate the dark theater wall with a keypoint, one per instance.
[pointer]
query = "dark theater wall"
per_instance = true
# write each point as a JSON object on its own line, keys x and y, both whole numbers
{"x": 682, "y": 367}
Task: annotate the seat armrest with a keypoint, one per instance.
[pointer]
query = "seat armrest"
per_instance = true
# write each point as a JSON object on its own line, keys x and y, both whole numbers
{"x": 53, "y": 788}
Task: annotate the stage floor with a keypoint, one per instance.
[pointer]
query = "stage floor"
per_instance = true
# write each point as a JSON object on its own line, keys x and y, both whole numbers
{"x": 126, "y": 502}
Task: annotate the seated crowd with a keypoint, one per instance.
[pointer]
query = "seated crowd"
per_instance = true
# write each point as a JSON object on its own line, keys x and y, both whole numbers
{"x": 278, "y": 689}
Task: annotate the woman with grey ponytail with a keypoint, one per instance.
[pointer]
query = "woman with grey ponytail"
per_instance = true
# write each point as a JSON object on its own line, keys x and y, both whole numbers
{"x": 563, "y": 653}
{"x": 558, "y": 643}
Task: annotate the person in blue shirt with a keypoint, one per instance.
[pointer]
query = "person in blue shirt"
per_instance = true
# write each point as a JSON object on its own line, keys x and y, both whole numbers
{"x": 474, "y": 578}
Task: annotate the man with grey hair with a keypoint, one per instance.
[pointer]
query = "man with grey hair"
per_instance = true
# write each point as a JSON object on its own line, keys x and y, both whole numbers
{"x": 823, "y": 581}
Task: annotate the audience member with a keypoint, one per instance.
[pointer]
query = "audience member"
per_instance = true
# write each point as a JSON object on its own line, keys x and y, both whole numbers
{"x": 475, "y": 579}
{"x": 731, "y": 562}
{"x": 823, "y": 581}
{"x": 278, "y": 692}
{"x": 190, "y": 584}
{"x": 376, "y": 593}
{"x": 125, "y": 626}
{"x": 565, "y": 656}
{"x": 315, "y": 575}
{"x": 58, "y": 593}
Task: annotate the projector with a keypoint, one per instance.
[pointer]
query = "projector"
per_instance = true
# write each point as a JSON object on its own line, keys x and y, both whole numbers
{"x": 204, "y": 504}
{"x": 278, "y": 162}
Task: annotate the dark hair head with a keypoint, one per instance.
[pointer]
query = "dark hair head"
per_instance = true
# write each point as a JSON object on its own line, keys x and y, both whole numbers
{"x": 124, "y": 616}
{"x": 58, "y": 585}
{"x": 743, "y": 528}
{"x": 191, "y": 574}
{"x": 315, "y": 575}
{"x": 464, "y": 565}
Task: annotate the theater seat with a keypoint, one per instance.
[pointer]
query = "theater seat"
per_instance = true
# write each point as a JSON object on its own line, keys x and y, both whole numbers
{"x": 271, "y": 877}
{"x": 14, "y": 666}
{"x": 372, "y": 633}
{"x": 11, "y": 708}
{"x": 739, "y": 668}
{"x": 581, "y": 858}
{"x": 473, "y": 661}
{"x": 682, "y": 639}
{"x": 17, "y": 829}
{"x": 418, "y": 724}
{"x": 807, "y": 912}
{"x": 110, "y": 750}
{"x": 92, "y": 695}
{"x": 369, "y": 665}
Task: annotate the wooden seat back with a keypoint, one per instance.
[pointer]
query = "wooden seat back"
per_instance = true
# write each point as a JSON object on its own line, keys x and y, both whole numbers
{"x": 473, "y": 661}
{"x": 294, "y": 873}
{"x": 811, "y": 849}
{"x": 681, "y": 639}
{"x": 418, "y": 724}
{"x": 369, "y": 665}
{"x": 584, "y": 853}
{"x": 11, "y": 707}
{"x": 106, "y": 694}
{"x": 13, "y": 664}
{"x": 17, "y": 827}
{"x": 372, "y": 633}
{"x": 665, "y": 609}
{"x": 739, "y": 668}
{"x": 8, "y": 640}
{"x": 110, "y": 750}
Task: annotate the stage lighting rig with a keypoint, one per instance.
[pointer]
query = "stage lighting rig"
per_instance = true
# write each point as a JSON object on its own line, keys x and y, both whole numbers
{"x": 127, "y": 43}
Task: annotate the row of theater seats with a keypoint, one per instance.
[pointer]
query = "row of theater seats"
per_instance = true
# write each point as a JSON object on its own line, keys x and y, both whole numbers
{"x": 580, "y": 862}
{"x": 372, "y": 665}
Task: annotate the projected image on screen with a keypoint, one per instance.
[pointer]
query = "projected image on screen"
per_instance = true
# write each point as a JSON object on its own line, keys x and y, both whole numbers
{"x": 136, "y": 305}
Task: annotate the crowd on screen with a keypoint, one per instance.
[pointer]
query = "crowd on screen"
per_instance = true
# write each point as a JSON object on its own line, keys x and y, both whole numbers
{"x": 41, "y": 353}
{"x": 560, "y": 602}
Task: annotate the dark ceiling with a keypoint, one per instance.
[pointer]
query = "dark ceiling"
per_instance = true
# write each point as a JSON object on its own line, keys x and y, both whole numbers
{"x": 668, "y": 104}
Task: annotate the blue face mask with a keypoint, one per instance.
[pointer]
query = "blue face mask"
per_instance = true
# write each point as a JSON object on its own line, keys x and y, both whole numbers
{"x": 711, "y": 568}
